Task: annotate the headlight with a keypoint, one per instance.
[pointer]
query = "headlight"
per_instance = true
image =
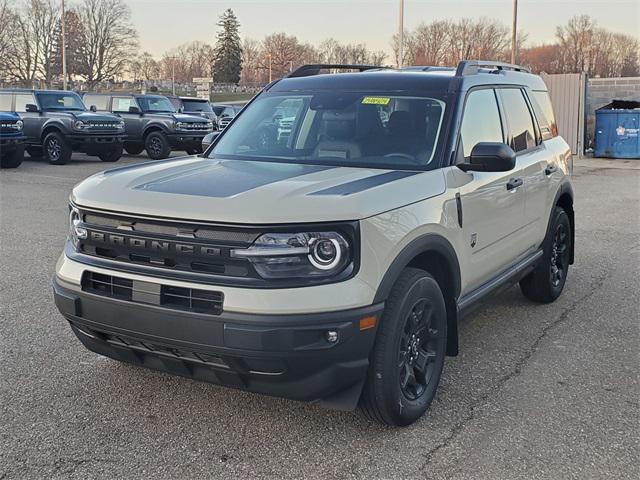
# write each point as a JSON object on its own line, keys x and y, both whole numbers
{"x": 298, "y": 255}
{"x": 19, "y": 124}
{"x": 181, "y": 125}
{"x": 121, "y": 124}
{"x": 76, "y": 231}
{"x": 80, "y": 125}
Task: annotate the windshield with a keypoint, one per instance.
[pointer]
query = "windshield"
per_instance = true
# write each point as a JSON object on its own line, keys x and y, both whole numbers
{"x": 337, "y": 128}
{"x": 60, "y": 101}
{"x": 196, "y": 106}
{"x": 156, "y": 105}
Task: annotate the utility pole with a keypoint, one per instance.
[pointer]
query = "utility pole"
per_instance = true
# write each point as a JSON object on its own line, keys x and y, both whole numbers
{"x": 173, "y": 75}
{"x": 270, "y": 71}
{"x": 401, "y": 35}
{"x": 64, "y": 49}
{"x": 514, "y": 28}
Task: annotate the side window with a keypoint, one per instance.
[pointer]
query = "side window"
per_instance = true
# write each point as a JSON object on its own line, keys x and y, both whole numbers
{"x": 122, "y": 104}
{"x": 544, "y": 113}
{"x": 521, "y": 131}
{"x": 5, "y": 102}
{"x": 480, "y": 120}
{"x": 22, "y": 100}
{"x": 100, "y": 101}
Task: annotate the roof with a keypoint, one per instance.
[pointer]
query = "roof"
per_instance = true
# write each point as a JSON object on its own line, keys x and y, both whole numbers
{"x": 428, "y": 79}
{"x": 34, "y": 90}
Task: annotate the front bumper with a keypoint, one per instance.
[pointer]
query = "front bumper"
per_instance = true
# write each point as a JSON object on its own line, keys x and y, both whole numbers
{"x": 96, "y": 141}
{"x": 281, "y": 355}
{"x": 187, "y": 139}
{"x": 11, "y": 142}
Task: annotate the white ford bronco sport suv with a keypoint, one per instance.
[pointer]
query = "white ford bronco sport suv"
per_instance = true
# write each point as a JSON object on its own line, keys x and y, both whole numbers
{"x": 331, "y": 264}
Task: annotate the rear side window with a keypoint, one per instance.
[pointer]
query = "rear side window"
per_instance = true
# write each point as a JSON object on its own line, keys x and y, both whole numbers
{"x": 22, "y": 100}
{"x": 544, "y": 113}
{"x": 5, "y": 102}
{"x": 122, "y": 104}
{"x": 101, "y": 102}
{"x": 480, "y": 120}
{"x": 521, "y": 130}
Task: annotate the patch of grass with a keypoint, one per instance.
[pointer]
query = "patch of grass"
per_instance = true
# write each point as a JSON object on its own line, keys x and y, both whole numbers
{"x": 231, "y": 97}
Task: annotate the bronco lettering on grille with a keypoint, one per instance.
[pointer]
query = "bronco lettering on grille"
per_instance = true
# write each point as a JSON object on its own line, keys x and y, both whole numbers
{"x": 154, "y": 245}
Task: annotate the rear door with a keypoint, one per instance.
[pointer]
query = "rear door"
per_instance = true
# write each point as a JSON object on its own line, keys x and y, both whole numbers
{"x": 524, "y": 137}
{"x": 492, "y": 203}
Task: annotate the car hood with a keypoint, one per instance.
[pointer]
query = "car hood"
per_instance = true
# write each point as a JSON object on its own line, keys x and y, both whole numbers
{"x": 178, "y": 117}
{"x": 250, "y": 192}
{"x": 86, "y": 116}
{"x": 9, "y": 116}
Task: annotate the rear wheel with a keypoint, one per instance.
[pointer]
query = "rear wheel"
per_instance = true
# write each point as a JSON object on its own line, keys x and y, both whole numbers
{"x": 12, "y": 159}
{"x": 111, "y": 155}
{"x": 407, "y": 359}
{"x": 133, "y": 148}
{"x": 56, "y": 149}
{"x": 157, "y": 146}
{"x": 546, "y": 282}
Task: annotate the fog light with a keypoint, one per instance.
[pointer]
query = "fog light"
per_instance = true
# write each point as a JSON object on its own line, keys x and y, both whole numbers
{"x": 331, "y": 336}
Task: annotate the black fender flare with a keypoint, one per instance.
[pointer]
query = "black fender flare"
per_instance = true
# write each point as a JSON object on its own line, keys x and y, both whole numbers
{"x": 565, "y": 189}
{"x": 50, "y": 126}
{"x": 427, "y": 243}
{"x": 154, "y": 126}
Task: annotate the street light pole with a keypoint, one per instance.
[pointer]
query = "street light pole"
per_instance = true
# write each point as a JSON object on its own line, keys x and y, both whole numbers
{"x": 270, "y": 71}
{"x": 514, "y": 28}
{"x": 173, "y": 75}
{"x": 64, "y": 49}
{"x": 401, "y": 35}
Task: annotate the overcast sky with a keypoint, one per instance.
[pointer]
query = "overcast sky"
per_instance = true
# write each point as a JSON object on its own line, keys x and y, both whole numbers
{"x": 164, "y": 24}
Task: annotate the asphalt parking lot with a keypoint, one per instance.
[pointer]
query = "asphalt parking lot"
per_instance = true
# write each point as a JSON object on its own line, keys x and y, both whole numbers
{"x": 538, "y": 391}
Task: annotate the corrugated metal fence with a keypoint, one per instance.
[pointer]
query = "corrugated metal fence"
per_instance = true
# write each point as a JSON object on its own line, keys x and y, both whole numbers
{"x": 568, "y": 91}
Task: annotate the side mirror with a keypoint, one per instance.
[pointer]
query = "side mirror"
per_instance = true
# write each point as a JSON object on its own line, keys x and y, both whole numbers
{"x": 181, "y": 110}
{"x": 209, "y": 139}
{"x": 93, "y": 108}
{"x": 490, "y": 157}
{"x": 134, "y": 109}
{"x": 30, "y": 107}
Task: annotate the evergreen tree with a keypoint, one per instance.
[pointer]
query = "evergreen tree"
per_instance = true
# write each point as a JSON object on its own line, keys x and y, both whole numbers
{"x": 76, "y": 38}
{"x": 228, "y": 50}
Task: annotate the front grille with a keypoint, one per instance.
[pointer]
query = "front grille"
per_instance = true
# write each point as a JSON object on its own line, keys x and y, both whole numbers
{"x": 225, "y": 121}
{"x": 95, "y": 125}
{"x": 196, "y": 126}
{"x": 176, "y": 298}
{"x": 9, "y": 127}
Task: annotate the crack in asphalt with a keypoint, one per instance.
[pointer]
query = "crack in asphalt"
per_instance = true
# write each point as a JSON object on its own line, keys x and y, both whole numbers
{"x": 517, "y": 370}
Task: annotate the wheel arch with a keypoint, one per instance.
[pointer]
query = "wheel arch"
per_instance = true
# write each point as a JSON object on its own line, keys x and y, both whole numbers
{"x": 434, "y": 254}
{"x": 153, "y": 127}
{"x": 49, "y": 128}
{"x": 564, "y": 200}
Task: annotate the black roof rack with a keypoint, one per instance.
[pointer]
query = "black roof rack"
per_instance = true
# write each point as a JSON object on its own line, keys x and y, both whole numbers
{"x": 471, "y": 67}
{"x": 314, "y": 69}
{"x": 426, "y": 68}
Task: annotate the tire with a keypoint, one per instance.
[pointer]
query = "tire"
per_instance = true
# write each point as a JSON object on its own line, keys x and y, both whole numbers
{"x": 56, "y": 149}
{"x": 133, "y": 148}
{"x": 408, "y": 355}
{"x": 546, "y": 282}
{"x": 157, "y": 146}
{"x": 111, "y": 155}
{"x": 12, "y": 159}
{"x": 35, "y": 152}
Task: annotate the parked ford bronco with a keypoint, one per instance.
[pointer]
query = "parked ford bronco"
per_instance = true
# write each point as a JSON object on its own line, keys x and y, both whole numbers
{"x": 331, "y": 264}
{"x": 152, "y": 123}
{"x": 56, "y": 124}
{"x": 198, "y": 107}
{"x": 11, "y": 139}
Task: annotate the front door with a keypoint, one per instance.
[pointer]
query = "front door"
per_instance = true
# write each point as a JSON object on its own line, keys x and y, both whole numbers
{"x": 132, "y": 125}
{"x": 33, "y": 121}
{"x": 492, "y": 203}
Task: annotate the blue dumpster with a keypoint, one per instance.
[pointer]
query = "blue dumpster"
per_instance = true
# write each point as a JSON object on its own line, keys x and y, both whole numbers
{"x": 617, "y": 128}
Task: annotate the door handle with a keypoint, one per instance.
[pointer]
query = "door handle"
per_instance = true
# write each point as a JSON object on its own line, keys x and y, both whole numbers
{"x": 514, "y": 183}
{"x": 550, "y": 169}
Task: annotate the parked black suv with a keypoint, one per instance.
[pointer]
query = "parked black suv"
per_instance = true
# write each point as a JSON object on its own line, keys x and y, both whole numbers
{"x": 11, "y": 139}
{"x": 198, "y": 107}
{"x": 57, "y": 123}
{"x": 152, "y": 123}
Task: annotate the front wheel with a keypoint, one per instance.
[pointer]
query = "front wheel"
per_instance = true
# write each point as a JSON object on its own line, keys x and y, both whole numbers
{"x": 408, "y": 356}
{"x": 157, "y": 146}
{"x": 12, "y": 159}
{"x": 111, "y": 155}
{"x": 56, "y": 149}
{"x": 546, "y": 282}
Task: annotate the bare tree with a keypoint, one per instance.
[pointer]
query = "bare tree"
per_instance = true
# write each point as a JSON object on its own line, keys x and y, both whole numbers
{"x": 145, "y": 68}
{"x": 111, "y": 40}
{"x": 190, "y": 60}
{"x": 250, "y": 58}
{"x": 7, "y": 16}
{"x": 576, "y": 42}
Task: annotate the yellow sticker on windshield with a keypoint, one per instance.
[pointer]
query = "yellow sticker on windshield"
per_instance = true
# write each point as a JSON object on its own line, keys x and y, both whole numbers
{"x": 376, "y": 100}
